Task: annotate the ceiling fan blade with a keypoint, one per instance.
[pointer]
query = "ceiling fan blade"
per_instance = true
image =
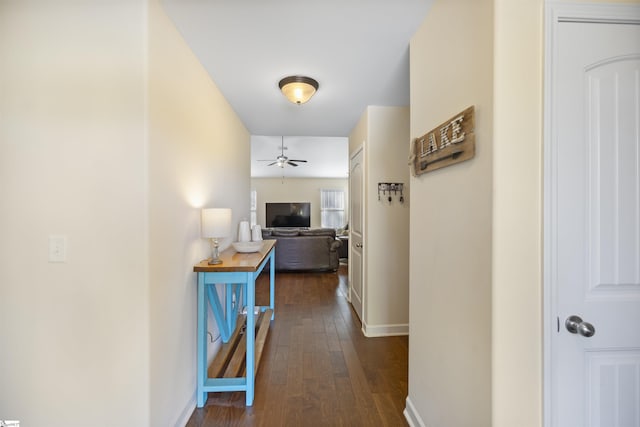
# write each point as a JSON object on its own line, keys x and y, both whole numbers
{"x": 292, "y": 160}
{"x": 269, "y": 160}
{"x": 271, "y": 164}
{"x": 291, "y": 163}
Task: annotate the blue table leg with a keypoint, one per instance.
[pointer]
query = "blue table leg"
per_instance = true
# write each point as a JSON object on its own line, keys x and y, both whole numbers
{"x": 202, "y": 341}
{"x": 251, "y": 337}
{"x": 272, "y": 281}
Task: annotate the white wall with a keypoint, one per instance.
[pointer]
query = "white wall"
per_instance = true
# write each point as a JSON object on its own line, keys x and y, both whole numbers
{"x": 73, "y": 336}
{"x": 450, "y": 267}
{"x": 384, "y": 132}
{"x": 113, "y": 135}
{"x": 296, "y": 190}
{"x": 199, "y": 156}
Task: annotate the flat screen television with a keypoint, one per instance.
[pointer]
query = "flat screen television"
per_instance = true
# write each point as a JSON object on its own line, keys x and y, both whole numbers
{"x": 288, "y": 214}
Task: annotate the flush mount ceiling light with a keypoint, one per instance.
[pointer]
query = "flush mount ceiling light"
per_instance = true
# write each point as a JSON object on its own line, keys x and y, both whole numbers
{"x": 298, "y": 89}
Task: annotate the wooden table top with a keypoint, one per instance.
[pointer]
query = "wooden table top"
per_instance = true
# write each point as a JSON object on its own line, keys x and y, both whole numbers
{"x": 237, "y": 261}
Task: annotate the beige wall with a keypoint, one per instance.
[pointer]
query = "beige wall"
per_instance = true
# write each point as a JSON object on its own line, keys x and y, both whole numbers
{"x": 384, "y": 132}
{"x": 359, "y": 134}
{"x": 74, "y": 335}
{"x": 110, "y": 334}
{"x": 516, "y": 382}
{"x": 296, "y": 190}
{"x": 387, "y": 227}
{"x": 451, "y": 214}
{"x": 517, "y": 214}
{"x": 198, "y": 157}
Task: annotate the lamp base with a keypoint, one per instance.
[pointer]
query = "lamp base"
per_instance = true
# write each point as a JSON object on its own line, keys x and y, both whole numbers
{"x": 215, "y": 257}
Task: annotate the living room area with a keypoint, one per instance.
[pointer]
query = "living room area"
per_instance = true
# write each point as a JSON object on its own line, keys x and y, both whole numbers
{"x": 310, "y": 196}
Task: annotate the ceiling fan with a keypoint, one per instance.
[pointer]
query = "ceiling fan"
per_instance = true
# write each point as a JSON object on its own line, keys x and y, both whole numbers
{"x": 282, "y": 160}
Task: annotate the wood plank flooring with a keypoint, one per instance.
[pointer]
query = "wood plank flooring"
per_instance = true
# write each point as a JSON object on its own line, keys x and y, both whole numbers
{"x": 317, "y": 368}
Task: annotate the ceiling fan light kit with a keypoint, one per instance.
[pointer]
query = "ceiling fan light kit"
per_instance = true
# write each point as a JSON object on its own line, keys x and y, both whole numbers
{"x": 298, "y": 89}
{"x": 283, "y": 160}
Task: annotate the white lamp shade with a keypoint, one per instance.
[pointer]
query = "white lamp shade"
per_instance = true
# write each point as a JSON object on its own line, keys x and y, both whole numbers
{"x": 216, "y": 222}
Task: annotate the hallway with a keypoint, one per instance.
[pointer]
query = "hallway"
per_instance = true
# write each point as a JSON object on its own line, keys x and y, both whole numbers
{"x": 317, "y": 368}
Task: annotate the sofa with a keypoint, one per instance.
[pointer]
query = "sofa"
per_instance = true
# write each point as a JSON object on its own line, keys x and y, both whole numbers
{"x": 305, "y": 250}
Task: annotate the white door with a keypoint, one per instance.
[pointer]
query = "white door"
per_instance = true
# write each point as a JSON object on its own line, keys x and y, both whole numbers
{"x": 594, "y": 226}
{"x": 356, "y": 230}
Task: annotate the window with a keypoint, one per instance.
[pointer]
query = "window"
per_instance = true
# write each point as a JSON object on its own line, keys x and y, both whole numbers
{"x": 332, "y": 208}
{"x": 254, "y": 204}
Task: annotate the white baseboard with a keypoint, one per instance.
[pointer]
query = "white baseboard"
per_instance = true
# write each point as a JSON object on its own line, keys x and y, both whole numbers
{"x": 385, "y": 330}
{"x": 183, "y": 418}
{"x": 412, "y": 416}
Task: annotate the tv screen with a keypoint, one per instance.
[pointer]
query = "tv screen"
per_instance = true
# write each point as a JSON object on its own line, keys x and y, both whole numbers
{"x": 288, "y": 214}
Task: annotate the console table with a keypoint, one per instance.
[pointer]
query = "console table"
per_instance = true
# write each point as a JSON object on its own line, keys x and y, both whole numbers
{"x": 237, "y": 273}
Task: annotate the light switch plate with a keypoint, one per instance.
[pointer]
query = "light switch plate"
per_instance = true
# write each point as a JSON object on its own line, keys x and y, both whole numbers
{"x": 57, "y": 248}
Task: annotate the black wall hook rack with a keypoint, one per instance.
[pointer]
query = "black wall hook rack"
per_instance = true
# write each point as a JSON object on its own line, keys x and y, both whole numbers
{"x": 391, "y": 187}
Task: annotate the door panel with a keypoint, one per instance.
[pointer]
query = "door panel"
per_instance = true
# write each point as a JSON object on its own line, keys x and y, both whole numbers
{"x": 613, "y": 381}
{"x": 356, "y": 227}
{"x": 595, "y": 225}
{"x": 614, "y": 211}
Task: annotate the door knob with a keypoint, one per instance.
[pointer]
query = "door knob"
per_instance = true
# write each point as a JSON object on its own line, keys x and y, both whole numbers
{"x": 575, "y": 325}
{"x": 358, "y": 245}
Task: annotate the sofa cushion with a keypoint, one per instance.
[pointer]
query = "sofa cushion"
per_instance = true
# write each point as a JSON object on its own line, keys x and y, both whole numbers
{"x": 319, "y": 232}
{"x": 285, "y": 233}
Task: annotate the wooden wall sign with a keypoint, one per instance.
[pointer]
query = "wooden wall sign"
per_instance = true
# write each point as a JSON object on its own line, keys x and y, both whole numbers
{"x": 452, "y": 142}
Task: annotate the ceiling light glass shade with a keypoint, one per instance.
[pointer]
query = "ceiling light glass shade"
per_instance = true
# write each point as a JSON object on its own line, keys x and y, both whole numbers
{"x": 298, "y": 89}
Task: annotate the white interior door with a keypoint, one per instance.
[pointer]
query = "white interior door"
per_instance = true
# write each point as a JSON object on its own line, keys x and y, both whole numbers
{"x": 594, "y": 226}
{"x": 356, "y": 231}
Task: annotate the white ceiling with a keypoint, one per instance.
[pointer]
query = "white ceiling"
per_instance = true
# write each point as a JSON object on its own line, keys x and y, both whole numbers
{"x": 358, "y": 51}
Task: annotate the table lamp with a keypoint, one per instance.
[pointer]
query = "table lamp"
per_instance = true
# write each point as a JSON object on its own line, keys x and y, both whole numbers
{"x": 216, "y": 224}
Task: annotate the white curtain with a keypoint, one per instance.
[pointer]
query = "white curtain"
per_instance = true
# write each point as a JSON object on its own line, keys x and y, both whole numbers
{"x": 254, "y": 207}
{"x": 332, "y": 208}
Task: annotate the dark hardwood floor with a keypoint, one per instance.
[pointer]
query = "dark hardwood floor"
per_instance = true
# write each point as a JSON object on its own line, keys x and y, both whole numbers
{"x": 317, "y": 368}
